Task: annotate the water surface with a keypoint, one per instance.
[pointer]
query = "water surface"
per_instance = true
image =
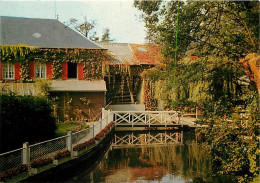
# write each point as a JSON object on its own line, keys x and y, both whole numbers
{"x": 152, "y": 157}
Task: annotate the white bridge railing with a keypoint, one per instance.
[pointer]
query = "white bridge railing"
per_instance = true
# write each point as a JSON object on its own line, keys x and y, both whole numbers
{"x": 148, "y": 139}
{"x": 148, "y": 118}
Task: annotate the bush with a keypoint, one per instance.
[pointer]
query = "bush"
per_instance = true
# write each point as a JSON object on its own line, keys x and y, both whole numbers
{"x": 13, "y": 172}
{"x": 41, "y": 162}
{"x": 62, "y": 154}
{"x": 83, "y": 145}
{"x": 24, "y": 119}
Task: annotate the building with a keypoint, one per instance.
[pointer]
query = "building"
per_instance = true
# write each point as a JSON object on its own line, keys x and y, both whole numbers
{"x": 35, "y": 50}
{"x": 124, "y": 82}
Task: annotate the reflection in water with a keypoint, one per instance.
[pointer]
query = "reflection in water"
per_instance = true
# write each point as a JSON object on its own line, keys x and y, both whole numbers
{"x": 149, "y": 157}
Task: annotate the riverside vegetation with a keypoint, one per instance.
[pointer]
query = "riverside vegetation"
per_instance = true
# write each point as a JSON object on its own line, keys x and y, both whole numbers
{"x": 216, "y": 69}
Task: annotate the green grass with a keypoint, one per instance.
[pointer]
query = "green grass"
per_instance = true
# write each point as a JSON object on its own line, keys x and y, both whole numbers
{"x": 62, "y": 128}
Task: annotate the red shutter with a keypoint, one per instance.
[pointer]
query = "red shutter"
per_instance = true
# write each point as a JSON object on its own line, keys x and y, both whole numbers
{"x": 31, "y": 69}
{"x": 64, "y": 71}
{"x": 80, "y": 71}
{"x": 17, "y": 70}
{"x": 1, "y": 71}
{"x": 49, "y": 70}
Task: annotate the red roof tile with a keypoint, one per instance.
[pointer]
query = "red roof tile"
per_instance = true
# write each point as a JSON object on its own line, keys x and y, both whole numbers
{"x": 147, "y": 53}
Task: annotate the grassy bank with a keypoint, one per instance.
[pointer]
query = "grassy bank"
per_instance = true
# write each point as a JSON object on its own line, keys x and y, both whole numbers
{"x": 64, "y": 127}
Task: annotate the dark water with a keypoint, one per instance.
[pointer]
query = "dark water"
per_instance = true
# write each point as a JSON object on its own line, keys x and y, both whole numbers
{"x": 152, "y": 157}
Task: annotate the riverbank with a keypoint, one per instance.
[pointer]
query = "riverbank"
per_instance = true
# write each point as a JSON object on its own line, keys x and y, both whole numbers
{"x": 61, "y": 172}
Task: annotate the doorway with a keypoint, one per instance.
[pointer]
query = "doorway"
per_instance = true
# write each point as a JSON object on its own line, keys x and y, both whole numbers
{"x": 72, "y": 70}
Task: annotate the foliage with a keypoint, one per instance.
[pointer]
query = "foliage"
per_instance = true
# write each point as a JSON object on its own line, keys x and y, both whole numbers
{"x": 24, "y": 119}
{"x": 83, "y": 145}
{"x": 233, "y": 142}
{"x": 85, "y": 100}
{"x": 92, "y": 59}
{"x": 221, "y": 28}
{"x": 103, "y": 131}
{"x": 85, "y": 27}
{"x": 99, "y": 135}
{"x": 64, "y": 127}
{"x": 110, "y": 124}
{"x": 106, "y": 36}
{"x": 212, "y": 38}
{"x": 16, "y": 51}
{"x": 252, "y": 68}
{"x": 13, "y": 172}
{"x": 121, "y": 79}
{"x": 62, "y": 154}
{"x": 41, "y": 162}
{"x": 43, "y": 86}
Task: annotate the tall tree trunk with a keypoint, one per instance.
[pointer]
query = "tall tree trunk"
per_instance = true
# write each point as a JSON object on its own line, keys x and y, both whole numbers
{"x": 251, "y": 65}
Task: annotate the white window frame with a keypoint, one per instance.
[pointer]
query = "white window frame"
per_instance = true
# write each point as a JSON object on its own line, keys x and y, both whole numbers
{"x": 8, "y": 70}
{"x": 38, "y": 70}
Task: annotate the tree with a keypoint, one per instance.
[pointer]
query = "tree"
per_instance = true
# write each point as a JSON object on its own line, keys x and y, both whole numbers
{"x": 226, "y": 31}
{"x": 106, "y": 36}
{"x": 94, "y": 37}
{"x": 24, "y": 119}
{"x": 220, "y": 28}
{"x": 84, "y": 28}
{"x": 212, "y": 38}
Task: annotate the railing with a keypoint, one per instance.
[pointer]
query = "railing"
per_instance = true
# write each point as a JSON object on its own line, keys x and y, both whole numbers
{"x": 29, "y": 153}
{"x": 147, "y": 117}
{"x": 11, "y": 159}
{"x": 148, "y": 139}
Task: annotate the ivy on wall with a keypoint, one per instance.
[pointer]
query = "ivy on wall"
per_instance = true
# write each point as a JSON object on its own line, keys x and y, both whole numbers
{"x": 149, "y": 95}
{"x": 93, "y": 70}
{"x": 25, "y": 73}
{"x": 122, "y": 80}
{"x": 24, "y": 54}
{"x": 96, "y": 65}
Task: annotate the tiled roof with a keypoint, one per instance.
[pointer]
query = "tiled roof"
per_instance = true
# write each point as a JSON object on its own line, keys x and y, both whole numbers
{"x": 121, "y": 53}
{"x": 147, "y": 53}
{"x": 78, "y": 86}
{"x": 133, "y": 54}
{"x": 43, "y": 33}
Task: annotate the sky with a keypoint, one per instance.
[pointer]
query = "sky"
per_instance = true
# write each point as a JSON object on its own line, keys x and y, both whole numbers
{"x": 121, "y": 17}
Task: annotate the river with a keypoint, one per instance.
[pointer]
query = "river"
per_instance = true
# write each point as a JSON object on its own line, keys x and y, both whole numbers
{"x": 152, "y": 157}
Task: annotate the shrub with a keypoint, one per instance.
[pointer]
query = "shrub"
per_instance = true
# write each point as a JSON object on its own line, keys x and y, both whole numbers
{"x": 13, "y": 172}
{"x": 62, "y": 154}
{"x": 110, "y": 124}
{"x": 99, "y": 135}
{"x": 24, "y": 119}
{"x": 80, "y": 147}
{"x": 41, "y": 162}
{"x": 83, "y": 145}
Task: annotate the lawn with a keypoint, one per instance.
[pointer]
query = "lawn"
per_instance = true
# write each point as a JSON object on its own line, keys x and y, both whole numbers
{"x": 63, "y": 128}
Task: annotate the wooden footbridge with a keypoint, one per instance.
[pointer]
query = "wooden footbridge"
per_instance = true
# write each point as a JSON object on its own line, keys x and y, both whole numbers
{"x": 142, "y": 120}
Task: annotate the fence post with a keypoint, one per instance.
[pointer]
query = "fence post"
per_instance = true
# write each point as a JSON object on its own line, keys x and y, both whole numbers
{"x": 26, "y": 154}
{"x": 103, "y": 113}
{"x": 101, "y": 121}
{"x": 107, "y": 117}
{"x": 181, "y": 119}
{"x": 69, "y": 141}
{"x": 93, "y": 128}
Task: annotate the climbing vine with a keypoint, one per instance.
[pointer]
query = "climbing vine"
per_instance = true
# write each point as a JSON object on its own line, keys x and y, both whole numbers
{"x": 25, "y": 73}
{"x": 24, "y": 54}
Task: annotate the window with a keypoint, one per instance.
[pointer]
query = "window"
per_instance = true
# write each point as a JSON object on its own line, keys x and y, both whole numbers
{"x": 72, "y": 70}
{"x": 40, "y": 70}
{"x": 8, "y": 70}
